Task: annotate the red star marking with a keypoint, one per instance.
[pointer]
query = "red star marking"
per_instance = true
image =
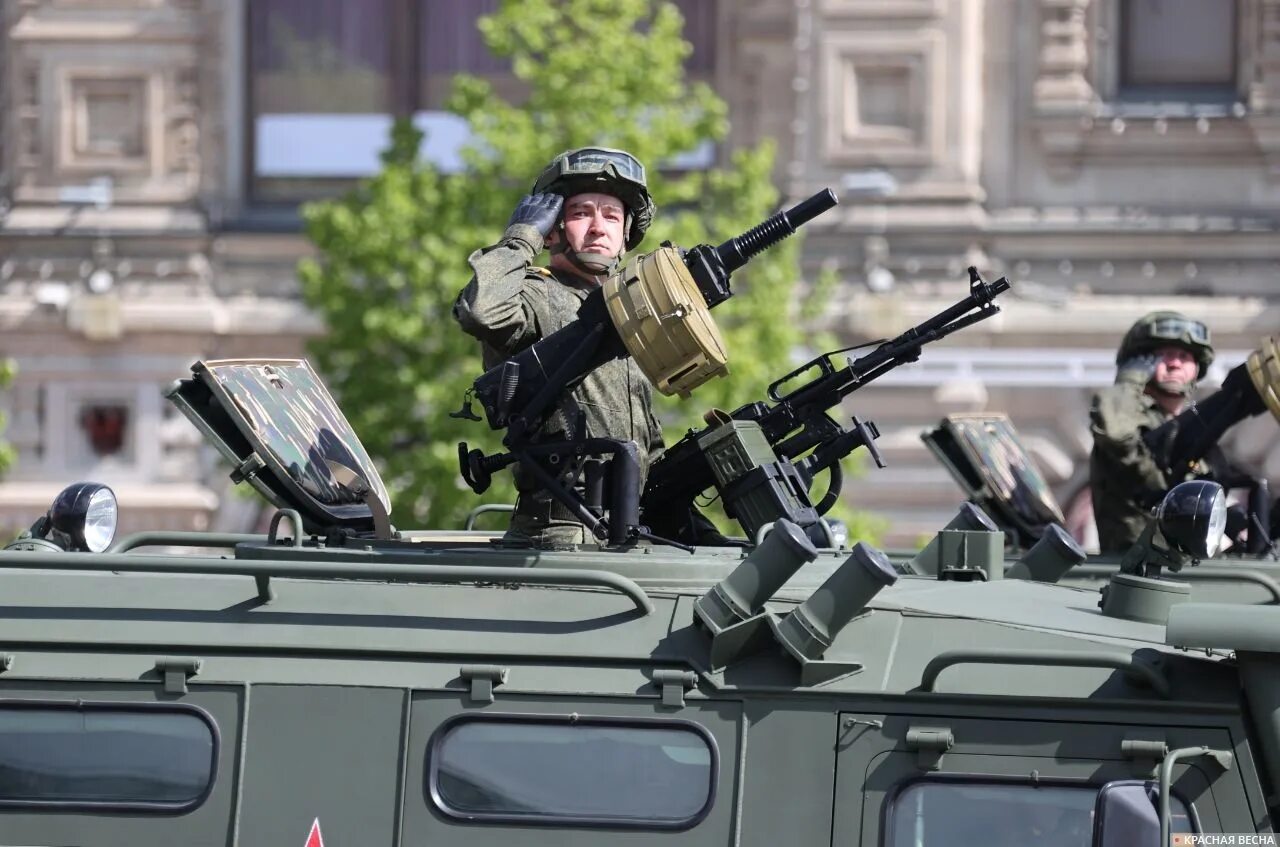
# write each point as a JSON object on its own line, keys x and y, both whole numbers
{"x": 315, "y": 839}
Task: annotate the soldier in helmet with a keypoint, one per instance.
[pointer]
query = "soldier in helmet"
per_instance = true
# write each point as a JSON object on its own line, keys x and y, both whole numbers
{"x": 588, "y": 207}
{"x": 1143, "y": 424}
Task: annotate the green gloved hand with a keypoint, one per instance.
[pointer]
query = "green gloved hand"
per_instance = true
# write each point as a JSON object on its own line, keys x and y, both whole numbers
{"x": 1137, "y": 370}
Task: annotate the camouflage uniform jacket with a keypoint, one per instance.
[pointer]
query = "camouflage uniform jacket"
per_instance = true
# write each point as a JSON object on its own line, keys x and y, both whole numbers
{"x": 1125, "y": 478}
{"x": 510, "y": 304}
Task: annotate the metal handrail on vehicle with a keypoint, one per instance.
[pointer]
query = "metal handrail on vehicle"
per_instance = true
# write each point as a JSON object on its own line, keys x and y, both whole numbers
{"x": 1231, "y": 575}
{"x": 266, "y": 568}
{"x": 182, "y": 539}
{"x": 483, "y": 509}
{"x": 1158, "y": 682}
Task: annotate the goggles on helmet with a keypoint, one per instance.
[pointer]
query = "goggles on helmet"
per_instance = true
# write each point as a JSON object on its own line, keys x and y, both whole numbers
{"x": 593, "y": 160}
{"x": 1179, "y": 329}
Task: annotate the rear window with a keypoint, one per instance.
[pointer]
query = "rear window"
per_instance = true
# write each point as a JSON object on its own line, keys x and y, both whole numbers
{"x": 964, "y": 813}
{"x": 139, "y": 756}
{"x": 591, "y": 771}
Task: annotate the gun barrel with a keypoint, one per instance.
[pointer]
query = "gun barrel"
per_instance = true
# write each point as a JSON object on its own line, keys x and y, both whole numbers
{"x": 735, "y": 252}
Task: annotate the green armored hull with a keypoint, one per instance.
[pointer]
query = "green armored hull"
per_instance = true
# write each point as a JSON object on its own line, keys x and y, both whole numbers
{"x": 373, "y": 686}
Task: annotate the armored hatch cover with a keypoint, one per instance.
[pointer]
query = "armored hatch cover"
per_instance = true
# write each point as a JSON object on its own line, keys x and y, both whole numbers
{"x": 987, "y": 458}
{"x": 278, "y": 426}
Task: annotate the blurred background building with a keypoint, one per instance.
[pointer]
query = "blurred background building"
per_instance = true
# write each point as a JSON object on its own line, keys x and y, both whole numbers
{"x": 1108, "y": 156}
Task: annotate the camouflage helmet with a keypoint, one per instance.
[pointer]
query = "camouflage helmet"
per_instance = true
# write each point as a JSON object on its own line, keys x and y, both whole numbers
{"x": 1168, "y": 329}
{"x": 601, "y": 169}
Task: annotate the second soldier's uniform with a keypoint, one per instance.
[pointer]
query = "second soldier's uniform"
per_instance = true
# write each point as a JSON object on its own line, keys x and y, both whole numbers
{"x": 1126, "y": 478}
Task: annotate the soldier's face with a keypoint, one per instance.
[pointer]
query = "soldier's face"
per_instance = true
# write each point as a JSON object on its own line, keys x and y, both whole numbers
{"x": 1173, "y": 364}
{"x": 594, "y": 223}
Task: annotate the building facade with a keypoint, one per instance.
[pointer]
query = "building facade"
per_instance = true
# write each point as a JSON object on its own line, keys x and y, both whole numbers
{"x": 1108, "y": 156}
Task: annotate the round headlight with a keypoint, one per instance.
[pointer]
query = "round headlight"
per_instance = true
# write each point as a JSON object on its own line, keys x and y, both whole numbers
{"x": 84, "y": 516}
{"x": 1193, "y": 517}
{"x": 100, "y": 520}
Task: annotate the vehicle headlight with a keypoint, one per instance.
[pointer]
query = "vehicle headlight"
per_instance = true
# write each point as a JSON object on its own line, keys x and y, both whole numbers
{"x": 1193, "y": 517}
{"x": 84, "y": 517}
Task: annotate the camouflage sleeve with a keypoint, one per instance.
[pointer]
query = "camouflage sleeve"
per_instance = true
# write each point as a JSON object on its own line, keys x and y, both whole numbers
{"x": 497, "y": 304}
{"x": 1117, "y": 420}
{"x": 656, "y": 444}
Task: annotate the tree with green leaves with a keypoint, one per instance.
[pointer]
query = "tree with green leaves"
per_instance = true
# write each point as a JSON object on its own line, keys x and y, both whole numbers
{"x": 392, "y": 253}
{"x": 7, "y": 371}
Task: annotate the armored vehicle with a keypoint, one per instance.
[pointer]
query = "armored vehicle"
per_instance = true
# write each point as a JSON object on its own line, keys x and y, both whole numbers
{"x": 342, "y": 681}
{"x": 339, "y": 681}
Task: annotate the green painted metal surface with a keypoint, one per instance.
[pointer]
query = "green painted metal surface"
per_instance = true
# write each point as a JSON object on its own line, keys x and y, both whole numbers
{"x": 330, "y": 689}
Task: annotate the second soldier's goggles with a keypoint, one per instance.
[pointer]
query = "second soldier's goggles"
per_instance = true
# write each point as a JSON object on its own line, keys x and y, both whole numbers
{"x": 1180, "y": 329}
{"x": 594, "y": 160}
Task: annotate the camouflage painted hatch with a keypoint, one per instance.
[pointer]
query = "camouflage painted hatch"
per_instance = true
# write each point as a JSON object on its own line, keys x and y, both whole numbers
{"x": 276, "y": 421}
{"x": 986, "y": 456}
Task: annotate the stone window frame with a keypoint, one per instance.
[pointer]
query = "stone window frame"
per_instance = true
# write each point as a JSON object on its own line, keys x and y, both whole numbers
{"x": 1106, "y": 36}
{"x": 63, "y": 453}
{"x": 60, "y": 52}
{"x": 922, "y": 54}
{"x": 76, "y": 83}
{"x": 1080, "y": 117}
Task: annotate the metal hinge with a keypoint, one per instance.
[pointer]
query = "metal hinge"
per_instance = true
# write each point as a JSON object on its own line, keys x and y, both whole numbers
{"x": 250, "y": 466}
{"x": 175, "y": 671}
{"x": 929, "y": 743}
{"x": 483, "y": 679}
{"x": 674, "y": 684}
{"x": 1145, "y": 754}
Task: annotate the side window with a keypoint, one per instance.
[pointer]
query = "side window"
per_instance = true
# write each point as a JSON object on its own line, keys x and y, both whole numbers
{"x": 965, "y": 813}
{"x": 1178, "y": 49}
{"x": 78, "y": 754}
{"x": 642, "y": 773}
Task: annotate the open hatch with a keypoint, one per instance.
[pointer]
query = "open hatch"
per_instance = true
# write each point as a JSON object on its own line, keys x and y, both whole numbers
{"x": 282, "y": 432}
{"x": 985, "y": 455}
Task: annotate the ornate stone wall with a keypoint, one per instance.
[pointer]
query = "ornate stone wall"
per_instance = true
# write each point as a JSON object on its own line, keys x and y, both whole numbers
{"x": 1005, "y": 142}
{"x": 107, "y": 90}
{"x": 111, "y": 255}
{"x": 756, "y": 72}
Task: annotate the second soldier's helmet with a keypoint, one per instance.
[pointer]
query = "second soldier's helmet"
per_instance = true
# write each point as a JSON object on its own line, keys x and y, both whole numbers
{"x": 604, "y": 170}
{"x": 1168, "y": 329}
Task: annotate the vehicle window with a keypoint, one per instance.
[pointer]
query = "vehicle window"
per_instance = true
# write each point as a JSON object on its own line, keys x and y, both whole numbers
{"x": 651, "y": 774}
{"x": 974, "y": 814}
{"x": 81, "y": 754}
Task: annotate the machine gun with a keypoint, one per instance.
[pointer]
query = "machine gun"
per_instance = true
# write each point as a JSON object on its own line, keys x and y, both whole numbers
{"x": 752, "y": 456}
{"x": 655, "y": 309}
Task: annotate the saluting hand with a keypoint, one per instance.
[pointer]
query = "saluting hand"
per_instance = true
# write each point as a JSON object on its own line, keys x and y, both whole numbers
{"x": 1137, "y": 369}
{"x": 540, "y": 211}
